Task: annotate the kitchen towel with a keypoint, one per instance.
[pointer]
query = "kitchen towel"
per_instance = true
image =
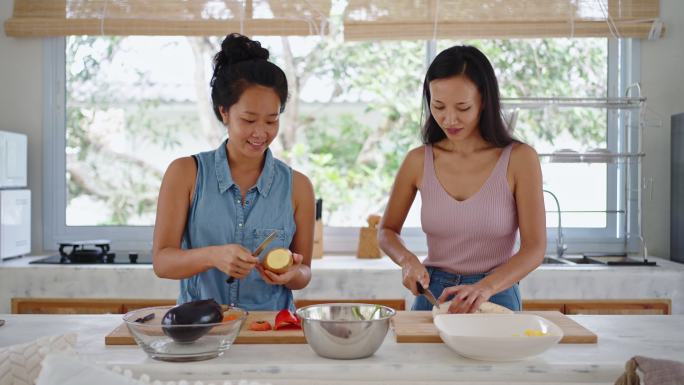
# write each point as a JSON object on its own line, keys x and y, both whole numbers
{"x": 652, "y": 371}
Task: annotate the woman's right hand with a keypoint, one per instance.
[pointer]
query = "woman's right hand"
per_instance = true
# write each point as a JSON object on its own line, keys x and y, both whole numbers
{"x": 413, "y": 271}
{"x": 234, "y": 260}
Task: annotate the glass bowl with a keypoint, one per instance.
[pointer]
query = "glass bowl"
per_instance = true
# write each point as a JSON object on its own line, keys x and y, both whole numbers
{"x": 181, "y": 343}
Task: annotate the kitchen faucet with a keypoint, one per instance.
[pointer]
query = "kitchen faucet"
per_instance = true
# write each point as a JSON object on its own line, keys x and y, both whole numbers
{"x": 560, "y": 246}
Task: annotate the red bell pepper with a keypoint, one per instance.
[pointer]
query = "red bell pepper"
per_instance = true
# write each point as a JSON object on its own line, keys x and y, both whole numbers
{"x": 285, "y": 319}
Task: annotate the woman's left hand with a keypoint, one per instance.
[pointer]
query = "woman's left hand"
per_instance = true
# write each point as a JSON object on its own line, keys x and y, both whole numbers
{"x": 281, "y": 279}
{"x": 467, "y": 298}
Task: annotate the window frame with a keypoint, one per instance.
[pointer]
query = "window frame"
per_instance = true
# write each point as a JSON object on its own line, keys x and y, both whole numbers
{"x": 623, "y": 69}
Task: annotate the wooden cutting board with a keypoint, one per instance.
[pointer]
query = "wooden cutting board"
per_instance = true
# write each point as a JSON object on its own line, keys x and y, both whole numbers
{"x": 121, "y": 335}
{"x": 417, "y": 326}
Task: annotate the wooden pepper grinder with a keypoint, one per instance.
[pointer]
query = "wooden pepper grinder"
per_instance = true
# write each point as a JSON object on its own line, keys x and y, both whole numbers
{"x": 368, "y": 239}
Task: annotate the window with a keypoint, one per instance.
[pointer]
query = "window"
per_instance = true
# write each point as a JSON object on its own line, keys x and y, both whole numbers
{"x": 123, "y": 107}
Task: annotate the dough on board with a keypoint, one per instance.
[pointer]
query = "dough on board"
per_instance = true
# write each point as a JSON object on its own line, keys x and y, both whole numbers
{"x": 487, "y": 307}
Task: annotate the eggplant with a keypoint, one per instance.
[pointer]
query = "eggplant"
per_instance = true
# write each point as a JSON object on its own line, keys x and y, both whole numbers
{"x": 205, "y": 311}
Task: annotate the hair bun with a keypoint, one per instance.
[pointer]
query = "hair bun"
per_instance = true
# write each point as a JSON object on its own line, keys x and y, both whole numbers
{"x": 236, "y": 48}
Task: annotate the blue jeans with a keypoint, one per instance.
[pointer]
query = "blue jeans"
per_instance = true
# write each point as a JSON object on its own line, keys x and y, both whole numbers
{"x": 440, "y": 279}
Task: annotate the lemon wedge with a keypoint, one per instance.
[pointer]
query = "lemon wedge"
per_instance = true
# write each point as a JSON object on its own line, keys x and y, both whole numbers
{"x": 534, "y": 333}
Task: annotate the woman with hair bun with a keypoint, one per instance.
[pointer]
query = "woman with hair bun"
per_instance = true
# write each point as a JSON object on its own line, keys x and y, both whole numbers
{"x": 216, "y": 207}
{"x": 478, "y": 187}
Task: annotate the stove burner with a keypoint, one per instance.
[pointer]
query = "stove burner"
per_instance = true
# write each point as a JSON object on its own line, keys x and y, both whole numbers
{"x": 92, "y": 251}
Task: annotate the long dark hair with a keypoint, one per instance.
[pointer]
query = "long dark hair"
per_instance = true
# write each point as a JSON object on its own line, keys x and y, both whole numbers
{"x": 471, "y": 62}
{"x": 240, "y": 63}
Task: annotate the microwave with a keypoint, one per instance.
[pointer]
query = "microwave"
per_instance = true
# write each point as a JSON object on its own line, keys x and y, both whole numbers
{"x": 13, "y": 160}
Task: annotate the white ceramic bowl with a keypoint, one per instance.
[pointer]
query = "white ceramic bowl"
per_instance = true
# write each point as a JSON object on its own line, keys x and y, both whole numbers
{"x": 497, "y": 337}
{"x": 598, "y": 155}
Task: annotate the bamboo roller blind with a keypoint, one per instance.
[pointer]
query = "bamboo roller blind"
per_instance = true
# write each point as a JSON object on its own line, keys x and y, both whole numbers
{"x": 363, "y": 19}
{"x": 35, "y": 18}
{"x": 399, "y": 19}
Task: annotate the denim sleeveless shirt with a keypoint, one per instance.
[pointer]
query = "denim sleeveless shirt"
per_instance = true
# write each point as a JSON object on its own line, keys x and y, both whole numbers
{"x": 217, "y": 216}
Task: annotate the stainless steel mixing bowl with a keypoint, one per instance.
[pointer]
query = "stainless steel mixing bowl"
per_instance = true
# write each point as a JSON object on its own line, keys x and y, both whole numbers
{"x": 345, "y": 330}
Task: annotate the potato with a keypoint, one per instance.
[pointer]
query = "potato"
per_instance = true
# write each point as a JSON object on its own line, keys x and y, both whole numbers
{"x": 278, "y": 260}
{"x": 486, "y": 307}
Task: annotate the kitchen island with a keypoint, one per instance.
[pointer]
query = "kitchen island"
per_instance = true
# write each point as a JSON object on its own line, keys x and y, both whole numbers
{"x": 620, "y": 338}
{"x": 341, "y": 277}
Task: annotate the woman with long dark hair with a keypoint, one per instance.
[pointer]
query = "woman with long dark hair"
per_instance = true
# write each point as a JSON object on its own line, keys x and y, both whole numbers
{"x": 478, "y": 187}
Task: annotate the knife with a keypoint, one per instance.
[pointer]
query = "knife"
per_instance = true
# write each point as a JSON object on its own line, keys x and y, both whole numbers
{"x": 428, "y": 294}
{"x": 259, "y": 249}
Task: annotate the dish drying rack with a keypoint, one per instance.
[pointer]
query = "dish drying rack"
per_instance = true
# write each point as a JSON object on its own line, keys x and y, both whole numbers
{"x": 631, "y": 115}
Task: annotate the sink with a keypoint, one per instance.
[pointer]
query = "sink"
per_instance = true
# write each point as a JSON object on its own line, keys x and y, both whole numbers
{"x": 554, "y": 261}
{"x": 573, "y": 260}
{"x": 595, "y": 260}
{"x": 581, "y": 260}
{"x": 619, "y": 260}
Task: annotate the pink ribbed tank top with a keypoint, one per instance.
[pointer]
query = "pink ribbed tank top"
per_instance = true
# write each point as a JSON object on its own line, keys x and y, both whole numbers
{"x": 471, "y": 236}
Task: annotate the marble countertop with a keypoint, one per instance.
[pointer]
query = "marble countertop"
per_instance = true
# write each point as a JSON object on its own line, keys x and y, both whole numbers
{"x": 620, "y": 338}
{"x": 341, "y": 277}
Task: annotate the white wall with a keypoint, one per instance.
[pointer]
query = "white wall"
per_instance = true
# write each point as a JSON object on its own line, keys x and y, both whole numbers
{"x": 662, "y": 82}
{"x": 662, "y": 78}
{"x": 21, "y": 106}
